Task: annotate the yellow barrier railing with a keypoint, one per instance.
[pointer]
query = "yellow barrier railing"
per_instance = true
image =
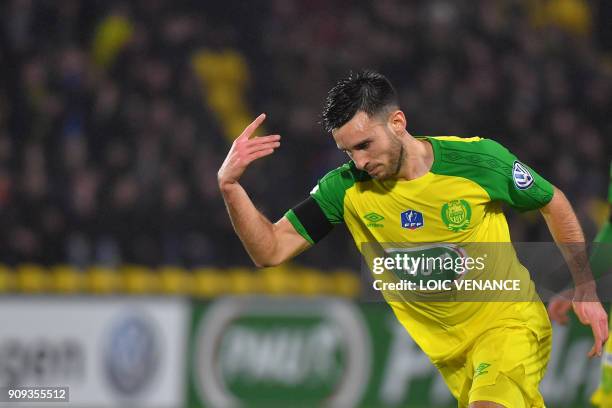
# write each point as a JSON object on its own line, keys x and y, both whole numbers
{"x": 173, "y": 280}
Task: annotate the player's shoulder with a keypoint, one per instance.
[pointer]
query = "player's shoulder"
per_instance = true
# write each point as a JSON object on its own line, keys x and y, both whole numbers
{"x": 469, "y": 151}
{"x": 493, "y": 167}
{"x": 477, "y": 158}
{"x": 337, "y": 181}
{"x": 345, "y": 175}
{"x": 474, "y": 144}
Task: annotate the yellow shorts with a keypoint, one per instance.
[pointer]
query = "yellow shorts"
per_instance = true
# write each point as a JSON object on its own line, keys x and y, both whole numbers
{"x": 505, "y": 365}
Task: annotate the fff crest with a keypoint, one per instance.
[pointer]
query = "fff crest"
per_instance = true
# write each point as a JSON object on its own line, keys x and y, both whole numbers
{"x": 411, "y": 219}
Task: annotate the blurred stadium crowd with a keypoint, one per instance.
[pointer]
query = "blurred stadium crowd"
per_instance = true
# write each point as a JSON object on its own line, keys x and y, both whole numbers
{"x": 115, "y": 116}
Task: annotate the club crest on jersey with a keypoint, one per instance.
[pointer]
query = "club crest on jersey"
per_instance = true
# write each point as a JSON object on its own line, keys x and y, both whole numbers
{"x": 456, "y": 215}
{"x": 521, "y": 176}
{"x": 411, "y": 219}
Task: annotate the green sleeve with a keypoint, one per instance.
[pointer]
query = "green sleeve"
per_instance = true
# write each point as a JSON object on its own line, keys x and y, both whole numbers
{"x": 328, "y": 194}
{"x": 496, "y": 169}
{"x": 330, "y": 190}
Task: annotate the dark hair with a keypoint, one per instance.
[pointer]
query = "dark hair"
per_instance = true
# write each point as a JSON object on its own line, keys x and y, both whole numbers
{"x": 366, "y": 91}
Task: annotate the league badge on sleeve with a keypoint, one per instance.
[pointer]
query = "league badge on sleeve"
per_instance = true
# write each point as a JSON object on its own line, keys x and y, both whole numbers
{"x": 412, "y": 219}
{"x": 521, "y": 176}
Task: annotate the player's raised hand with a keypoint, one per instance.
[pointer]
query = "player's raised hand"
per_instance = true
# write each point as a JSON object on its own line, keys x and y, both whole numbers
{"x": 244, "y": 151}
{"x": 590, "y": 312}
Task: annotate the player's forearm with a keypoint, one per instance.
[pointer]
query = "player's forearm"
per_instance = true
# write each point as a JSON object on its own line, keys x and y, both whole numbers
{"x": 254, "y": 230}
{"x": 562, "y": 221}
{"x": 567, "y": 233}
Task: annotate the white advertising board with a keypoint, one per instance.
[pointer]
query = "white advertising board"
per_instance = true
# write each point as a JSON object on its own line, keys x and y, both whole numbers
{"x": 110, "y": 352}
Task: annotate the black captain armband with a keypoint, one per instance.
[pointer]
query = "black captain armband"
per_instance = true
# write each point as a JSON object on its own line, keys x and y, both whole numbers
{"x": 313, "y": 219}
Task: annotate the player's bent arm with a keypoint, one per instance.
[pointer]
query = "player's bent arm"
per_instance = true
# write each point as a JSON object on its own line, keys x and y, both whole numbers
{"x": 290, "y": 242}
{"x": 561, "y": 219}
{"x": 567, "y": 233}
{"x": 267, "y": 244}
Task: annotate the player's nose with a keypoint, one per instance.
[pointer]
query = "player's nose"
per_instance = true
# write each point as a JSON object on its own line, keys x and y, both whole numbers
{"x": 361, "y": 162}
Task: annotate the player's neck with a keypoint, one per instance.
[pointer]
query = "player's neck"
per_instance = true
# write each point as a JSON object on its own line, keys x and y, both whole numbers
{"x": 418, "y": 158}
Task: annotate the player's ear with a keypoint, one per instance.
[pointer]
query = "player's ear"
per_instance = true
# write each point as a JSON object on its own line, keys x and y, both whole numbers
{"x": 397, "y": 120}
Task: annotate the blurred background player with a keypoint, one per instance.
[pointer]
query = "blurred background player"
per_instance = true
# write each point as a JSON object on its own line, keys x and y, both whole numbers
{"x": 115, "y": 113}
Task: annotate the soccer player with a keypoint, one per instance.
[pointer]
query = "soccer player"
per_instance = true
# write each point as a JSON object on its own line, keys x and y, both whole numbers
{"x": 601, "y": 263}
{"x": 491, "y": 354}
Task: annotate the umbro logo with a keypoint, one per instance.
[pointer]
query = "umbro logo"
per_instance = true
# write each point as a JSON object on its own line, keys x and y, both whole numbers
{"x": 481, "y": 369}
{"x": 374, "y": 220}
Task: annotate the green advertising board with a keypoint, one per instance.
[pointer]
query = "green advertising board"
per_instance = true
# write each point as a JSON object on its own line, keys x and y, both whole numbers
{"x": 328, "y": 352}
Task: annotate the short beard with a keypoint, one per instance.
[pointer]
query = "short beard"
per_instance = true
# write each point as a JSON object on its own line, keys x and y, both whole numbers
{"x": 400, "y": 160}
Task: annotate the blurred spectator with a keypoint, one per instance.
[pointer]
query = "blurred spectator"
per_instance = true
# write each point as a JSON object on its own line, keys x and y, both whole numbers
{"x": 115, "y": 116}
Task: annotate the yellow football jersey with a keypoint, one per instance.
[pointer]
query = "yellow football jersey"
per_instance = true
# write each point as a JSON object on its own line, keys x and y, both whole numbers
{"x": 458, "y": 201}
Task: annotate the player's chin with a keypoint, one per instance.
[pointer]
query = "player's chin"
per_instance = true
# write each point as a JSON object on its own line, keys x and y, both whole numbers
{"x": 380, "y": 176}
{"x": 378, "y": 173}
